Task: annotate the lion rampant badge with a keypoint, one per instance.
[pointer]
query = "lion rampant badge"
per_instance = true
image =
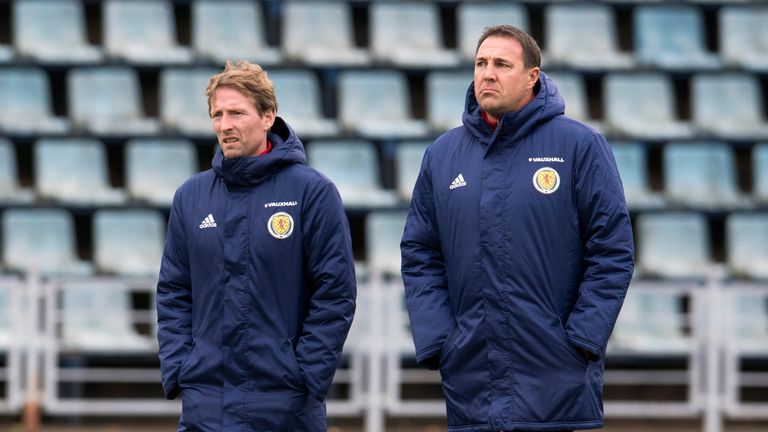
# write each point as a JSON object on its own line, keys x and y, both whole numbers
{"x": 280, "y": 225}
{"x": 546, "y": 180}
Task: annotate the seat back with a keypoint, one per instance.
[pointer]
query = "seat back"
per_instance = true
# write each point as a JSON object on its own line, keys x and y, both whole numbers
{"x": 128, "y": 242}
{"x": 446, "y": 95}
{"x": 183, "y": 104}
{"x": 673, "y": 245}
{"x": 156, "y": 167}
{"x": 383, "y": 231}
{"x": 408, "y": 157}
{"x": 700, "y": 174}
{"x": 746, "y": 243}
{"x": 669, "y": 35}
{"x": 473, "y": 18}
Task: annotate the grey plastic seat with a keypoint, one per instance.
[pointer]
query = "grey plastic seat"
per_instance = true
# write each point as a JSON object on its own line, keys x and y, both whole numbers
{"x": 142, "y": 32}
{"x": 25, "y": 102}
{"x": 671, "y": 37}
{"x": 128, "y": 242}
{"x": 10, "y": 190}
{"x": 53, "y": 31}
{"x": 231, "y": 30}
{"x": 183, "y": 104}
{"x": 354, "y": 167}
{"x": 746, "y": 243}
{"x": 108, "y": 101}
{"x": 377, "y": 104}
{"x": 96, "y": 318}
{"x": 300, "y": 103}
{"x": 572, "y": 87}
{"x": 446, "y": 95}
{"x": 760, "y": 173}
{"x": 383, "y": 231}
{"x": 408, "y": 157}
{"x": 642, "y": 105}
{"x": 701, "y": 175}
{"x": 744, "y": 36}
{"x": 473, "y": 18}
{"x": 41, "y": 240}
{"x": 651, "y": 322}
{"x": 672, "y": 245}
{"x": 6, "y": 53}
{"x": 631, "y": 160}
{"x": 156, "y": 167}
{"x": 568, "y": 44}
{"x": 408, "y": 34}
{"x": 74, "y": 171}
{"x": 729, "y": 105}
{"x": 320, "y": 33}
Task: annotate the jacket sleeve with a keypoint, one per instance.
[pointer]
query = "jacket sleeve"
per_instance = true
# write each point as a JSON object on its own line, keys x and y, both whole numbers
{"x": 607, "y": 242}
{"x": 174, "y": 303}
{"x": 424, "y": 274}
{"x": 331, "y": 272}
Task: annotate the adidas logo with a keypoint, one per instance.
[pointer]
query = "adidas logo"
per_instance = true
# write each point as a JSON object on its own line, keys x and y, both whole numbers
{"x": 208, "y": 222}
{"x": 458, "y": 182}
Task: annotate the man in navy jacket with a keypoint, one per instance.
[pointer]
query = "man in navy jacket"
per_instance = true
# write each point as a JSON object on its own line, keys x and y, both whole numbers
{"x": 517, "y": 252}
{"x": 257, "y": 285}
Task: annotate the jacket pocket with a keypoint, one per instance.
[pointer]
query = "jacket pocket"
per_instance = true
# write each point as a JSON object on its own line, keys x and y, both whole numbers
{"x": 185, "y": 363}
{"x": 570, "y": 347}
{"x": 448, "y": 344}
{"x": 295, "y": 369}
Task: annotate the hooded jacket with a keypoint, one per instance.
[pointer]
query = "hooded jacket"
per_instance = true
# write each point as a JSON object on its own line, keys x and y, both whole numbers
{"x": 256, "y": 292}
{"x": 517, "y": 252}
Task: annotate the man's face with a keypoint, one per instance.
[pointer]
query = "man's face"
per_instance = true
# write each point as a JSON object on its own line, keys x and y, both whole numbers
{"x": 502, "y": 84}
{"x": 239, "y": 127}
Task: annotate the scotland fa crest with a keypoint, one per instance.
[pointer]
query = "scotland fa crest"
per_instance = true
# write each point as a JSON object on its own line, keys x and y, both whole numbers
{"x": 280, "y": 225}
{"x": 546, "y": 180}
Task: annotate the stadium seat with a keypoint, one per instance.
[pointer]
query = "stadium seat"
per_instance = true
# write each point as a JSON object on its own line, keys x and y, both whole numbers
{"x": 729, "y": 105}
{"x": 746, "y": 242}
{"x": 408, "y": 34}
{"x": 672, "y": 37}
{"x": 320, "y": 33}
{"x": 300, "y": 103}
{"x": 156, "y": 167}
{"x": 651, "y": 322}
{"x": 672, "y": 245}
{"x": 74, "y": 171}
{"x": 10, "y": 191}
{"x": 573, "y": 89}
{"x": 96, "y": 317}
{"x": 408, "y": 157}
{"x": 6, "y": 53}
{"x": 760, "y": 173}
{"x": 473, "y": 18}
{"x": 52, "y": 31}
{"x": 744, "y": 37}
{"x": 642, "y": 106}
{"x": 142, "y": 32}
{"x": 383, "y": 231}
{"x": 569, "y": 45}
{"x": 107, "y": 100}
{"x": 42, "y": 241}
{"x": 128, "y": 242}
{"x": 377, "y": 104}
{"x": 231, "y": 30}
{"x": 631, "y": 160}
{"x": 26, "y": 106}
{"x": 446, "y": 96}
{"x": 354, "y": 167}
{"x": 183, "y": 104}
{"x": 15, "y": 324}
{"x": 701, "y": 175}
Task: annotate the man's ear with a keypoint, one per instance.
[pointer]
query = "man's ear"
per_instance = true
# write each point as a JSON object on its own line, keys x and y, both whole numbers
{"x": 269, "y": 119}
{"x": 533, "y": 76}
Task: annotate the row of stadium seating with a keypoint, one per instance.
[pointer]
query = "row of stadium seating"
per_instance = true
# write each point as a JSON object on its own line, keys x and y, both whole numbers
{"x": 406, "y": 34}
{"x": 75, "y": 172}
{"x": 110, "y": 101}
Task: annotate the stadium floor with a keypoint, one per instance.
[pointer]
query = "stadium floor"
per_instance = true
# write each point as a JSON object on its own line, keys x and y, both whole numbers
{"x": 401, "y": 425}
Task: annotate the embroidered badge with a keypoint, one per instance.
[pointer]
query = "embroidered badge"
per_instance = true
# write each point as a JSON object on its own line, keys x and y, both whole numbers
{"x": 546, "y": 180}
{"x": 280, "y": 225}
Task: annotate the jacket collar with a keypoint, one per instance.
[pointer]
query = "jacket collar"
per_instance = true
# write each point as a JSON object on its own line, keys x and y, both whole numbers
{"x": 252, "y": 170}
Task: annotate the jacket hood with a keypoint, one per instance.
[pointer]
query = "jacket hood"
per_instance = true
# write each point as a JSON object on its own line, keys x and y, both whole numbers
{"x": 252, "y": 170}
{"x": 547, "y": 103}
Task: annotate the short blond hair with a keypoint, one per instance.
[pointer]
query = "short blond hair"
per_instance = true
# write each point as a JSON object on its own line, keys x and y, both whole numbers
{"x": 250, "y": 80}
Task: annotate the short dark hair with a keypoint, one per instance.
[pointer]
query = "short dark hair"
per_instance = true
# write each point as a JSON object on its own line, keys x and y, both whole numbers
{"x": 531, "y": 50}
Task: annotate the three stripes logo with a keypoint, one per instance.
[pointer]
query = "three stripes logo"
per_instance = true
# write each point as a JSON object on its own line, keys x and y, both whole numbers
{"x": 208, "y": 222}
{"x": 458, "y": 182}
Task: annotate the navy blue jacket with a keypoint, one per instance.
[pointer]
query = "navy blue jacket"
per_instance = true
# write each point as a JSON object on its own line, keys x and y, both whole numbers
{"x": 517, "y": 251}
{"x": 256, "y": 292}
